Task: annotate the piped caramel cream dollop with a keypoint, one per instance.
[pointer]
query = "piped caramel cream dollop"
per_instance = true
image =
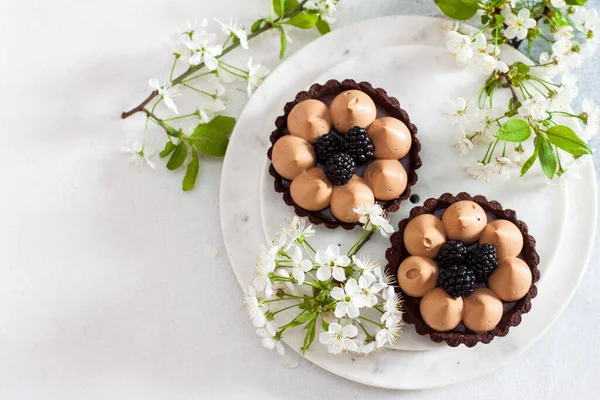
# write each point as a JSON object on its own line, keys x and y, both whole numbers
{"x": 311, "y": 189}
{"x": 309, "y": 120}
{"x": 511, "y": 280}
{"x": 349, "y": 196}
{"x": 292, "y": 155}
{"x": 483, "y": 310}
{"x": 441, "y": 311}
{"x": 386, "y": 178}
{"x": 391, "y": 138}
{"x": 464, "y": 221}
{"x": 505, "y": 236}
{"x": 424, "y": 236}
{"x": 352, "y": 108}
{"x": 417, "y": 275}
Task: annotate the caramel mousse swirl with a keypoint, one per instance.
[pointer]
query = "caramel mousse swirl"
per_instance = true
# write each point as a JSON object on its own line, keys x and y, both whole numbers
{"x": 391, "y": 138}
{"x": 352, "y": 108}
{"x": 424, "y": 236}
{"x": 464, "y": 221}
{"x": 505, "y": 236}
{"x": 311, "y": 189}
{"x": 511, "y": 280}
{"x": 386, "y": 178}
{"x": 309, "y": 120}
{"x": 292, "y": 155}
{"x": 441, "y": 311}
{"x": 417, "y": 275}
{"x": 346, "y": 198}
{"x": 483, "y": 310}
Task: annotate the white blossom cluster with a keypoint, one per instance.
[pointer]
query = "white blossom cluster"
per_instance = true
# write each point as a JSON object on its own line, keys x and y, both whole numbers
{"x": 550, "y": 93}
{"x": 346, "y": 295}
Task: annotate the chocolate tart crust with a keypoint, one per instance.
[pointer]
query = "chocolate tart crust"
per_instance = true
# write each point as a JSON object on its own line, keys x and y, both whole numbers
{"x": 382, "y": 100}
{"x": 512, "y": 311}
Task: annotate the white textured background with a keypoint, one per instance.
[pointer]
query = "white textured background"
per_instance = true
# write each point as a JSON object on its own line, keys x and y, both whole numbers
{"x": 114, "y": 284}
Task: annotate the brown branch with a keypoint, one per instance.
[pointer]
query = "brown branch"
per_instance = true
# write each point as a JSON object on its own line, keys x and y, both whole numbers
{"x": 141, "y": 106}
{"x": 366, "y": 239}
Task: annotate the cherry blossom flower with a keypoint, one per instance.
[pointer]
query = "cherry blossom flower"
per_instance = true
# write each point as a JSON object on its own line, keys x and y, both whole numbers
{"x": 202, "y": 44}
{"x": 326, "y": 9}
{"x": 338, "y": 338}
{"x": 331, "y": 263}
{"x": 138, "y": 155}
{"x": 269, "y": 338}
{"x": 563, "y": 32}
{"x": 482, "y": 172}
{"x": 368, "y": 290}
{"x": 296, "y": 229}
{"x": 449, "y": 25}
{"x": 255, "y": 309}
{"x": 486, "y": 124}
{"x": 365, "y": 265}
{"x": 558, "y": 3}
{"x": 349, "y": 299}
{"x": 517, "y": 25}
{"x": 166, "y": 92}
{"x": 374, "y": 217}
{"x": 486, "y": 56}
{"x": 299, "y": 265}
{"x": 461, "y": 143}
{"x": 457, "y": 110}
{"x": 188, "y": 27}
{"x": 256, "y": 75}
{"x": 236, "y": 30}
{"x": 535, "y": 107}
{"x": 389, "y": 333}
{"x": 459, "y": 46}
{"x": 592, "y": 113}
{"x": 391, "y": 305}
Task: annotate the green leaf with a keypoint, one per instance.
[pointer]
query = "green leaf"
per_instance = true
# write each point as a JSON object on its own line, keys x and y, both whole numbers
{"x": 564, "y": 138}
{"x": 324, "y": 325}
{"x": 256, "y": 25}
{"x": 531, "y": 160}
{"x": 485, "y": 19}
{"x": 500, "y": 19}
{"x": 212, "y": 138}
{"x": 283, "y": 41}
{"x": 178, "y": 156}
{"x": 456, "y": 9}
{"x": 576, "y": 2}
{"x": 303, "y": 20}
{"x": 514, "y": 130}
{"x": 169, "y": 147}
{"x": 546, "y": 156}
{"x": 310, "y": 334}
{"x": 189, "y": 180}
{"x": 300, "y": 319}
{"x": 285, "y": 5}
{"x": 323, "y": 26}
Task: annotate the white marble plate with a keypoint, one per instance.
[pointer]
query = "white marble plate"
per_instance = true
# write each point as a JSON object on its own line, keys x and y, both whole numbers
{"x": 245, "y": 225}
{"x": 401, "y": 70}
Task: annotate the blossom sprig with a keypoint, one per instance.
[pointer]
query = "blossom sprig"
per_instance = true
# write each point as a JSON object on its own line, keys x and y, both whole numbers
{"x": 200, "y": 68}
{"x": 529, "y": 127}
{"x": 346, "y": 296}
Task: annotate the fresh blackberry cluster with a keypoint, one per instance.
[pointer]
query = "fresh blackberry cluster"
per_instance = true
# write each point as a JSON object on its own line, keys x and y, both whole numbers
{"x": 453, "y": 252}
{"x": 358, "y": 145}
{"x": 482, "y": 260}
{"x": 457, "y": 280}
{"x": 328, "y": 145}
{"x": 339, "y": 168}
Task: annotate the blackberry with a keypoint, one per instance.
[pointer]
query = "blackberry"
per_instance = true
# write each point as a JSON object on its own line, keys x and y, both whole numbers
{"x": 483, "y": 261}
{"x": 452, "y": 252}
{"x": 328, "y": 145}
{"x": 359, "y": 145}
{"x": 457, "y": 280}
{"x": 339, "y": 168}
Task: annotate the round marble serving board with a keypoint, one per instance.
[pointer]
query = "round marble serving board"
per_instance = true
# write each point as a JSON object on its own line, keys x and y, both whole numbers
{"x": 383, "y": 52}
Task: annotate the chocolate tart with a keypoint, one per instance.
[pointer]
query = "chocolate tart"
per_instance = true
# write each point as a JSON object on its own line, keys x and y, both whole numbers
{"x": 512, "y": 311}
{"x": 386, "y": 106}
